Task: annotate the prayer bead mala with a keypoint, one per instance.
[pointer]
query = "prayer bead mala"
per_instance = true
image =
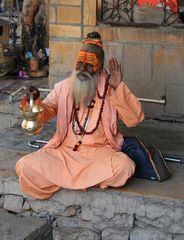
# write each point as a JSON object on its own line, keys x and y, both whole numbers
{"x": 82, "y": 129}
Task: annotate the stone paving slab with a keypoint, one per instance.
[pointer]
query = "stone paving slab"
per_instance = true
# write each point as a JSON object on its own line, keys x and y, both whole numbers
{"x": 15, "y": 137}
{"x": 169, "y": 189}
{"x": 14, "y": 146}
{"x": 97, "y": 214}
{"x": 134, "y": 186}
{"x": 166, "y": 136}
{"x": 8, "y": 159}
{"x": 28, "y": 228}
{"x": 5, "y": 83}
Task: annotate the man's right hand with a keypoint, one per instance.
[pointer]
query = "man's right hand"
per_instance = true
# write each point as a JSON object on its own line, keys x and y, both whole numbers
{"x": 115, "y": 73}
{"x": 32, "y": 90}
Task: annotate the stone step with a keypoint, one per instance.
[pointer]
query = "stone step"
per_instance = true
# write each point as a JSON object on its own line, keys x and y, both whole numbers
{"x": 133, "y": 212}
{"x": 20, "y": 228}
{"x": 166, "y": 136}
{"x": 140, "y": 210}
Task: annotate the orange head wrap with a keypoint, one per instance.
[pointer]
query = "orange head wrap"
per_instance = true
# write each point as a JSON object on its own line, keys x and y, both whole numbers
{"x": 89, "y": 53}
{"x": 97, "y": 42}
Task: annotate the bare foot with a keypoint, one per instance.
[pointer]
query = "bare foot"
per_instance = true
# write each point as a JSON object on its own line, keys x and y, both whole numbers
{"x": 84, "y": 190}
{"x": 103, "y": 187}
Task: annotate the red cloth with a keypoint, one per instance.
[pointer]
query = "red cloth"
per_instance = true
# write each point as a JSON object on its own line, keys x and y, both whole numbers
{"x": 171, "y": 4}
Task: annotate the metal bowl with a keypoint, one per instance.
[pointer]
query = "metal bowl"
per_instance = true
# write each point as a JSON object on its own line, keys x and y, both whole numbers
{"x": 31, "y": 127}
{"x": 31, "y": 113}
{"x": 30, "y": 124}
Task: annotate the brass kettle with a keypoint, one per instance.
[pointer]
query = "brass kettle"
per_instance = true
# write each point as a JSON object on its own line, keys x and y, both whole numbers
{"x": 30, "y": 123}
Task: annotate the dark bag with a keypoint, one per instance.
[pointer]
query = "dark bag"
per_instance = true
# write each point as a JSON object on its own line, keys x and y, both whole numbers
{"x": 149, "y": 161}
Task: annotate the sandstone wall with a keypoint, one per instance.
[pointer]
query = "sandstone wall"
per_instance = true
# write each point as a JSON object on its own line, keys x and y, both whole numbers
{"x": 152, "y": 59}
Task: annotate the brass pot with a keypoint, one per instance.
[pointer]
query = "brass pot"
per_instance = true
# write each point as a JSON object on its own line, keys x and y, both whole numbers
{"x": 30, "y": 123}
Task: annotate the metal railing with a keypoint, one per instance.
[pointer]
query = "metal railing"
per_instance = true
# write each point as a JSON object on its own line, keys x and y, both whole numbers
{"x": 130, "y": 13}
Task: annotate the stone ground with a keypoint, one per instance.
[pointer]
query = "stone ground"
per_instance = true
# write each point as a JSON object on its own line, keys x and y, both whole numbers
{"x": 29, "y": 228}
{"x": 168, "y": 137}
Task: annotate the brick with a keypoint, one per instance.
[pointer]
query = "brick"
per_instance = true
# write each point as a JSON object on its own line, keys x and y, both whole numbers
{"x": 64, "y": 31}
{"x": 66, "y": 14}
{"x": 52, "y": 14}
{"x": 128, "y": 34}
{"x": 89, "y": 12}
{"x": 113, "y": 50}
{"x": 168, "y": 64}
{"x": 137, "y": 62}
{"x": 151, "y": 90}
{"x": 68, "y": 2}
{"x": 60, "y": 53}
{"x": 174, "y": 94}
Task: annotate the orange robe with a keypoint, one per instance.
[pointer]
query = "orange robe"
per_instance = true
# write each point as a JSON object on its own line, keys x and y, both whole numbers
{"x": 97, "y": 161}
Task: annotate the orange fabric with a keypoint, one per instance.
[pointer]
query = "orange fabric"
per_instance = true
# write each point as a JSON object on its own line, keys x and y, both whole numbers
{"x": 59, "y": 102}
{"x": 24, "y": 103}
{"x": 97, "y": 42}
{"x": 97, "y": 161}
{"x": 120, "y": 168}
{"x": 36, "y": 185}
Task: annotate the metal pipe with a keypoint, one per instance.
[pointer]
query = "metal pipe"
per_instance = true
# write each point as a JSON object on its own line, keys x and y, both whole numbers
{"x": 173, "y": 159}
{"x": 44, "y": 89}
{"x": 160, "y": 101}
{"x": 36, "y": 143}
{"x": 14, "y": 93}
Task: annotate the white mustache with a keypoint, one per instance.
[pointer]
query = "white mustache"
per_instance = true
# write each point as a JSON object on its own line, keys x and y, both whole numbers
{"x": 84, "y": 75}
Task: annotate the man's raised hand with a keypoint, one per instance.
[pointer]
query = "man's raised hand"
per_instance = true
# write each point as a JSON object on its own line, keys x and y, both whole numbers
{"x": 115, "y": 73}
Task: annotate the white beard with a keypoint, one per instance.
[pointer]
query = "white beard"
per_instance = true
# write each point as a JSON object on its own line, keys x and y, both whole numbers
{"x": 84, "y": 88}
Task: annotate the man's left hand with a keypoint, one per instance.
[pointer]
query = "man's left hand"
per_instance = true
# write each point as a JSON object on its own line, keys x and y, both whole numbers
{"x": 115, "y": 73}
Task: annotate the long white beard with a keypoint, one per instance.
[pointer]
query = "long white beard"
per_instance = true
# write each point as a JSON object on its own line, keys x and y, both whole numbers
{"x": 84, "y": 88}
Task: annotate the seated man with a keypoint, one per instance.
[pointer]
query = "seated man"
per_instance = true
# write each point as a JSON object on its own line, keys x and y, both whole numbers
{"x": 85, "y": 150}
